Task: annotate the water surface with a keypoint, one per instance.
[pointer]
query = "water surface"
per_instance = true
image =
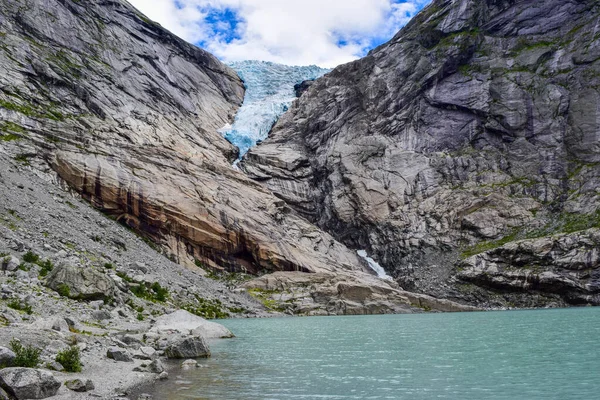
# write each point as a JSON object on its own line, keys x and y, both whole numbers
{"x": 544, "y": 354}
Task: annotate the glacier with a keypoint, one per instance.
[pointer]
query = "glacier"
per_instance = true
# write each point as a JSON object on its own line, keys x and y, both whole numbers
{"x": 269, "y": 93}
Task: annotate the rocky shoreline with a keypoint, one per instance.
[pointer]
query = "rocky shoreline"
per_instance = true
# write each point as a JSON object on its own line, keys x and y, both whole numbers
{"x": 98, "y": 287}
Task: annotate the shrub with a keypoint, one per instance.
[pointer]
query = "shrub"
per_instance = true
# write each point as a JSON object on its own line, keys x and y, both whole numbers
{"x": 26, "y": 357}
{"x": 154, "y": 293}
{"x": 31, "y": 257}
{"x": 70, "y": 359}
{"x": 63, "y": 290}
{"x": 15, "y": 304}
{"x": 46, "y": 266}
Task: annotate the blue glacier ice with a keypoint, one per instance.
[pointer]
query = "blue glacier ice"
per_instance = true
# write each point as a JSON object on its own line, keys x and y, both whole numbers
{"x": 269, "y": 93}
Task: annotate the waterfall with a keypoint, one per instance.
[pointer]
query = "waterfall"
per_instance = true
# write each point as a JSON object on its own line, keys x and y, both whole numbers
{"x": 374, "y": 266}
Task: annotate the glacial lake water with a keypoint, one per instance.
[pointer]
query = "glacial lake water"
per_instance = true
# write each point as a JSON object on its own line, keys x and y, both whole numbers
{"x": 542, "y": 354}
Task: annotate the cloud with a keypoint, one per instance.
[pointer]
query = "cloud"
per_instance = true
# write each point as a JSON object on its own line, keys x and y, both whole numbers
{"x": 293, "y": 32}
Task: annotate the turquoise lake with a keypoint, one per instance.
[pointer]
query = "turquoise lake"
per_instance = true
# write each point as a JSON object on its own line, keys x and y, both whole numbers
{"x": 542, "y": 354}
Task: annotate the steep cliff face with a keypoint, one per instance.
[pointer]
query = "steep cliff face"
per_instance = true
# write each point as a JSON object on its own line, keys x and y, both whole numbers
{"x": 127, "y": 115}
{"x": 449, "y": 150}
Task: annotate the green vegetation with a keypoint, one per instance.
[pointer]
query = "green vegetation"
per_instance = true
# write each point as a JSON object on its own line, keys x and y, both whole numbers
{"x": 154, "y": 293}
{"x": 207, "y": 308}
{"x": 64, "y": 290}
{"x": 70, "y": 359}
{"x": 47, "y": 267}
{"x": 561, "y": 223}
{"x": 26, "y": 357}
{"x": 109, "y": 266}
{"x": 264, "y": 296}
{"x": 31, "y": 257}
{"x": 124, "y": 276}
{"x": 33, "y": 112}
{"x": 15, "y": 304}
{"x": 140, "y": 317}
{"x": 22, "y": 158}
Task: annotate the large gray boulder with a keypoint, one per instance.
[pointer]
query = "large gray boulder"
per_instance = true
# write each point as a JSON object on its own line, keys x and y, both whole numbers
{"x": 187, "y": 323}
{"x": 187, "y": 347}
{"x": 118, "y": 354}
{"x": 10, "y": 263}
{"x": 7, "y": 357}
{"x": 77, "y": 385}
{"x": 82, "y": 283}
{"x": 28, "y": 383}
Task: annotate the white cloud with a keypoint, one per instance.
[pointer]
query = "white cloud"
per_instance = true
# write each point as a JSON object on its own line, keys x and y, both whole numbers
{"x": 293, "y": 32}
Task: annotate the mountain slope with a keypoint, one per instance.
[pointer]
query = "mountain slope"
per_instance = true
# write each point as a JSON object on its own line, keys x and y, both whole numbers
{"x": 115, "y": 108}
{"x": 476, "y": 127}
{"x": 127, "y": 115}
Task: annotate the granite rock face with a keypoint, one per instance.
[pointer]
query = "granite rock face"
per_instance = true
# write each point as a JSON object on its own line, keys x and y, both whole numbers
{"x": 477, "y": 125}
{"x": 127, "y": 114}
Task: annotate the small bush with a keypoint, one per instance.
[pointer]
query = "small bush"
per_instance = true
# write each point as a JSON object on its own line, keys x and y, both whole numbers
{"x": 140, "y": 317}
{"x": 31, "y": 257}
{"x": 108, "y": 265}
{"x": 16, "y": 305}
{"x": 63, "y": 290}
{"x": 70, "y": 359}
{"x": 160, "y": 292}
{"x": 26, "y": 357}
{"x": 46, "y": 266}
{"x": 154, "y": 293}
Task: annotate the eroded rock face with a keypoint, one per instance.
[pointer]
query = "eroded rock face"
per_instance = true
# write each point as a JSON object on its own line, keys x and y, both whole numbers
{"x": 478, "y": 123}
{"x": 342, "y": 294}
{"x": 127, "y": 115}
{"x": 564, "y": 269}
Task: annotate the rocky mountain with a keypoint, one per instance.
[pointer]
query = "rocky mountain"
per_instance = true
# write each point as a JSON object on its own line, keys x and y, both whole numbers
{"x": 127, "y": 115}
{"x": 463, "y": 154}
{"x": 109, "y": 106}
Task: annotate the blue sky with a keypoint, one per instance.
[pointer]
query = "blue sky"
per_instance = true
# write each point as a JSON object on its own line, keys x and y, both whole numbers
{"x": 293, "y": 32}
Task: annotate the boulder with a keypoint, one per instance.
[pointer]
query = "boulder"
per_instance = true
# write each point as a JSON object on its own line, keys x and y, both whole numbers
{"x": 28, "y": 383}
{"x": 189, "y": 364}
{"x": 83, "y": 283}
{"x": 77, "y": 385}
{"x": 163, "y": 376}
{"x": 187, "y": 323}
{"x": 156, "y": 367}
{"x": 10, "y": 263}
{"x": 187, "y": 347}
{"x": 146, "y": 353}
{"x": 53, "y": 323}
{"x": 7, "y": 357}
{"x": 118, "y": 354}
{"x": 101, "y": 315}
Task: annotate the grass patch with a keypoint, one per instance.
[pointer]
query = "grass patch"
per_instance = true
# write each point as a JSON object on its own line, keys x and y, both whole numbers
{"x": 207, "y": 308}
{"x": 15, "y": 304}
{"x": 70, "y": 359}
{"x": 26, "y": 356}
{"x": 46, "y": 267}
{"x": 264, "y": 296}
{"x": 561, "y": 223}
{"x": 154, "y": 293}
{"x": 23, "y": 158}
{"x": 31, "y": 257}
{"x": 63, "y": 290}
